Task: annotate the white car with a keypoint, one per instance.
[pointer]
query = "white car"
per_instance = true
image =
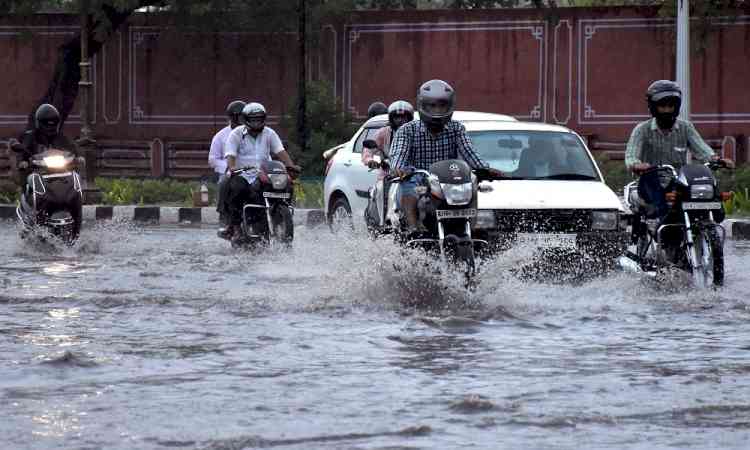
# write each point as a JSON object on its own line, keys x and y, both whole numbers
{"x": 553, "y": 195}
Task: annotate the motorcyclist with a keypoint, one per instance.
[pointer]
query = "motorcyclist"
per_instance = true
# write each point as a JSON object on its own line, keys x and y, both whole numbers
{"x": 665, "y": 139}
{"x": 249, "y": 145}
{"x": 216, "y": 158}
{"x": 45, "y": 135}
{"x": 376, "y": 109}
{"x": 434, "y": 137}
{"x": 399, "y": 113}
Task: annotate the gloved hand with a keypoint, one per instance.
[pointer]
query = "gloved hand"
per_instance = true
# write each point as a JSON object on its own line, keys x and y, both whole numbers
{"x": 15, "y": 145}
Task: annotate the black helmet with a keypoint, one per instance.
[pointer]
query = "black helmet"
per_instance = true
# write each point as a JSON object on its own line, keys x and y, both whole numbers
{"x": 234, "y": 112}
{"x": 436, "y": 101}
{"x": 47, "y": 119}
{"x": 400, "y": 112}
{"x": 662, "y": 92}
{"x": 254, "y": 115}
{"x": 376, "y": 109}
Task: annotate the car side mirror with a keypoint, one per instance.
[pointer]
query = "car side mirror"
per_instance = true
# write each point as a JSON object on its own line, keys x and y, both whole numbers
{"x": 370, "y": 144}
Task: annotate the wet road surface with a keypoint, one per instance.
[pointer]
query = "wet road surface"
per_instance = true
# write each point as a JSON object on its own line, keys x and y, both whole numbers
{"x": 155, "y": 338}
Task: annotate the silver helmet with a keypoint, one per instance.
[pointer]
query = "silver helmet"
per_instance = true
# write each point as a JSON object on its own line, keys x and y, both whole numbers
{"x": 400, "y": 112}
{"x": 254, "y": 115}
{"x": 436, "y": 101}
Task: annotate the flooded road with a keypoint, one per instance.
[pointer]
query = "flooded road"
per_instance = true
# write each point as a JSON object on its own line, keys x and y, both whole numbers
{"x": 156, "y": 338}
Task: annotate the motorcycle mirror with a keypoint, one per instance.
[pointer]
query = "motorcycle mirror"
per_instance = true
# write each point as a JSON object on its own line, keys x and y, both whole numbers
{"x": 370, "y": 144}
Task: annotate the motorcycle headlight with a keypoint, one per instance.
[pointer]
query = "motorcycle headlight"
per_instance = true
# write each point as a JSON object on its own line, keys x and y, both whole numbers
{"x": 485, "y": 219}
{"x": 278, "y": 180}
{"x": 55, "y": 161}
{"x": 457, "y": 194}
{"x": 701, "y": 192}
{"x": 604, "y": 220}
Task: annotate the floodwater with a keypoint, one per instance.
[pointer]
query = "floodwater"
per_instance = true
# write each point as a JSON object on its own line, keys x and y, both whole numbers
{"x": 164, "y": 338}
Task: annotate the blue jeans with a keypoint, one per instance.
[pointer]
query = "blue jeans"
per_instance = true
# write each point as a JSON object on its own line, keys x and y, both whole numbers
{"x": 408, "y": 188}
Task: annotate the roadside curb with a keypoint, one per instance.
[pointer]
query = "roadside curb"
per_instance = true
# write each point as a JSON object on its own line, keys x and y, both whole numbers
{"x": 152, "y": 215}
{"x": 737, "y": 229}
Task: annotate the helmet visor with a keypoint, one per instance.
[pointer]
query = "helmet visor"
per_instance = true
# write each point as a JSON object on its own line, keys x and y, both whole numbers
{"x": 399, "y": 119}
{"x": 255, "y": 122}
{"x": 436, "y": 108}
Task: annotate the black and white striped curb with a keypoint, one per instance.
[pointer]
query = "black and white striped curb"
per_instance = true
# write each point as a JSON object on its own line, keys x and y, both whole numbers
{"x": 156, "y": 215}
{"x": 738, "y": 229}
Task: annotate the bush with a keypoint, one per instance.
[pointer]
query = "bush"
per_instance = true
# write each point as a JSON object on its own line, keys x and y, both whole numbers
{"x": 8, "y": 191}
{"x": 308, "y": 192}
{"x": 130, "y": 191}
{"x": 615, "y": 174}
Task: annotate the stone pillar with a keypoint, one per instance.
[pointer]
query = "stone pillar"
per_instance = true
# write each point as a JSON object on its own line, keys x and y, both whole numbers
{"x": 87, "y": 143}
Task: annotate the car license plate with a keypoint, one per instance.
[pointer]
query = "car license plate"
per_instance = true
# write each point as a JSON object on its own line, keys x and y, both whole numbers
{"x": 277, "y": 194}
{"x": 701, "y": 205}
{"x": 456, "y": 213}
{"x": 547, "y": 240}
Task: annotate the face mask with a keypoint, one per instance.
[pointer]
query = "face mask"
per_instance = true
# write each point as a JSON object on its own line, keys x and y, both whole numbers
{"x": 665, "y": 121}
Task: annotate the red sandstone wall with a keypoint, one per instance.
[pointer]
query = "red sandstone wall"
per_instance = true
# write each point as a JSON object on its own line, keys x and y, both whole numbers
{"x": 159, "y": 95}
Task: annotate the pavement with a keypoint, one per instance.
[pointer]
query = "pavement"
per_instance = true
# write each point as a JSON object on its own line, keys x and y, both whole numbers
{"x": 737, "y": 229}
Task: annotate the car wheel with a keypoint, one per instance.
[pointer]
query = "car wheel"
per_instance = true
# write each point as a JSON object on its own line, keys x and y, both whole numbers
{"x": 340, "y": 217}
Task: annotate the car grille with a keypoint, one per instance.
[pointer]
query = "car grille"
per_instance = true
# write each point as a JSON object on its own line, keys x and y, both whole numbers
{"x": 543, "y": 220}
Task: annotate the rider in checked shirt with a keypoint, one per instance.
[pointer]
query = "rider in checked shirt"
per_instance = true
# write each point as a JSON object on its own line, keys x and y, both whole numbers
{"x": 434, "y": 137}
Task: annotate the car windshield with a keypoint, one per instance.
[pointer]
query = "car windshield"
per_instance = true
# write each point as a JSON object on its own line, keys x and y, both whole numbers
{"x": 535, "y": 155}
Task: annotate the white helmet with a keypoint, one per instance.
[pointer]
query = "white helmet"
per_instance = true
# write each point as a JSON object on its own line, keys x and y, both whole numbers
{"x": 400, "y": 112}
{"x": 256, "y": 113}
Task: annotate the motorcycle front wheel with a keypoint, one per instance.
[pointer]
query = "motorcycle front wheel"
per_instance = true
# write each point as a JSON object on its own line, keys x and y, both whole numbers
{"x": 283, "y": 225}
{"x": 709, "y": 251}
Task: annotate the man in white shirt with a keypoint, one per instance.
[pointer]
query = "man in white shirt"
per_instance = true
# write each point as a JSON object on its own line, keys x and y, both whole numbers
{"x": 250, "y": 145}
{"x": 216, "y": 157}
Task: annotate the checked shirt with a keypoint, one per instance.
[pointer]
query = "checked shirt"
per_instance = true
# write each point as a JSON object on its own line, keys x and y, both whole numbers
{"x": 651, "y": 145}
{"x": 414, "y": 146}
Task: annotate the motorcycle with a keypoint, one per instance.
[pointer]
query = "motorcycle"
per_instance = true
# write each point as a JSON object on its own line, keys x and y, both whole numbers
{"x": 271, "y": 221}
{"x": 377, "y": 196}
{"x": 53, "y": 199}
{"x": 676, "y": 222}
{"x": 446, "y": 206}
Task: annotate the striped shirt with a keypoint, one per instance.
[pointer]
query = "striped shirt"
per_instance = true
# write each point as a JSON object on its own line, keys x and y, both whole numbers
{"x": 651, "y": 145}
{"x": 415, "y": 146}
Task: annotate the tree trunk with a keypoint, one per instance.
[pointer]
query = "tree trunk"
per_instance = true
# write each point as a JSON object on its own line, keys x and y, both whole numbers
{"x": 62, "y": 90}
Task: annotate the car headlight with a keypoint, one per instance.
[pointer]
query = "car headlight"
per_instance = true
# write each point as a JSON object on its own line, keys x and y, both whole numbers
{"x": 701, "y": 192}
{"x": 485, "y": 219}
{"x": 457, "y": 194}
{"x": 278, "y": 180}
{"x": 55, "y": 161}
{"x": 604, "y": 220}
